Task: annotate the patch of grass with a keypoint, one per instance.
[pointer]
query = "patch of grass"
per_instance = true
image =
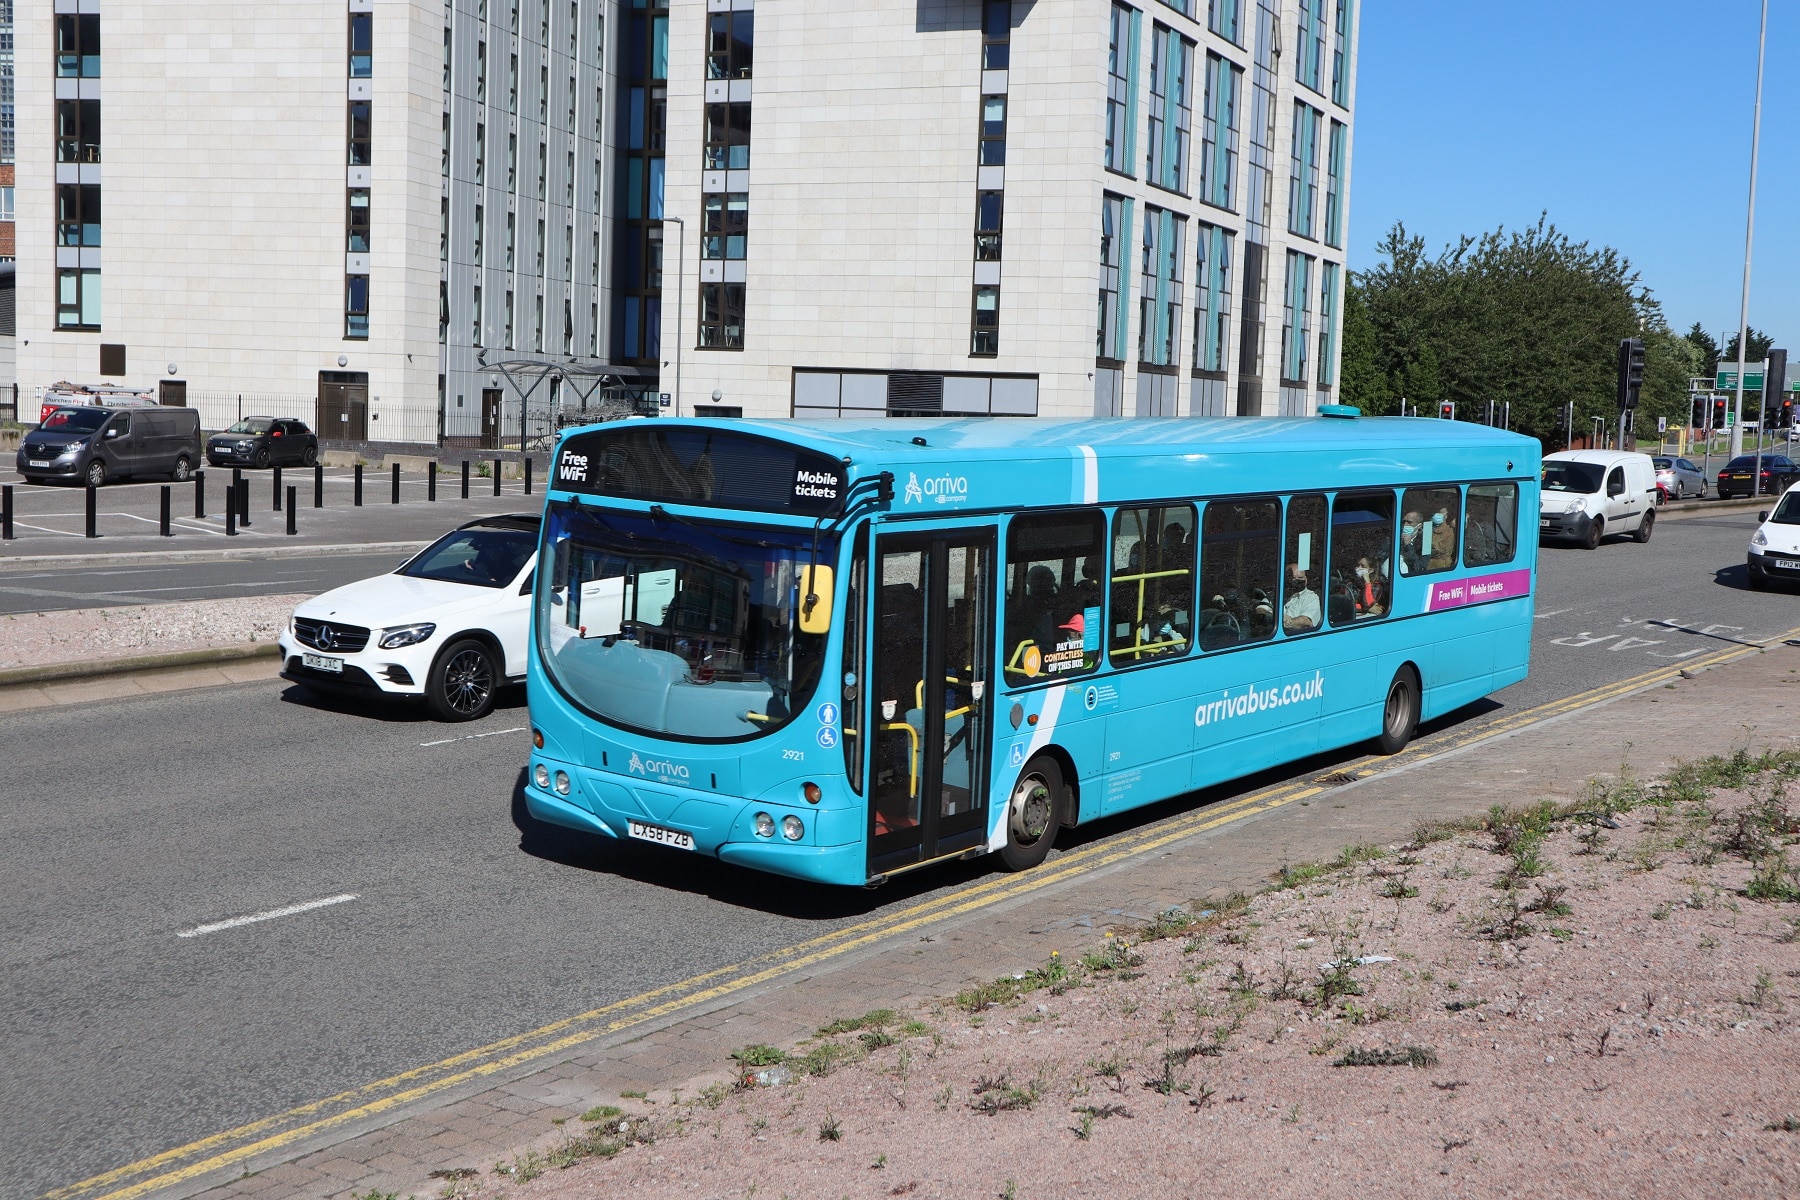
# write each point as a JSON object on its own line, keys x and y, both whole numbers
{"x": 1763, "y": 995}
{"x": 914, "y": 1028}
{"x": 881, "y": 1018}
{"x": 634, "y": 1095}
{"x": 1291, "y": 876}
{"x": 998, "y": 1094}
{"x": 1429, "y": 830}
{"x": 830, "y": 1129}
{"x": 1361, "y": 852}
{"x": 1774, "y": 880}
{"x": 1114, "y": 954}
{"x": 757, "y": 1055}
{"x": 1398, "y": 887}
{"x": 1336, "y": 981}
{"x": 1509, "y": 923}
{"x": 1549, "y": 901}
{"x": 822, "y": 1059}
{"x": 454, "y": 1173}
{"x": 1053, "y": 975}
{"x": 1787, "y": 1124}
{"x": 601, "y": 1112}
{"x": 1418, "y": 1057}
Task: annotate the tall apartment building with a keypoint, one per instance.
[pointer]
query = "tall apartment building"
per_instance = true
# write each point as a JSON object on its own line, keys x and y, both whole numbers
{"x": 371, "y": 211}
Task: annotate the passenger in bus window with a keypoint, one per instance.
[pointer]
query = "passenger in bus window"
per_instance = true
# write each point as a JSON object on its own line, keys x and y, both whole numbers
{"x": 1370, "y": 590}
{"x": 1443, "y": 538}
{"x": 1412, "y": 558}
{"x": 1301, "y": 612}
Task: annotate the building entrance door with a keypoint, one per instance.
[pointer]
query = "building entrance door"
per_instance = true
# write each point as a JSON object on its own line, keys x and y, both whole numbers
{"x": 492, "y": 401}
{"x": 343, "y": 408}
{"x": 172, "y": 392}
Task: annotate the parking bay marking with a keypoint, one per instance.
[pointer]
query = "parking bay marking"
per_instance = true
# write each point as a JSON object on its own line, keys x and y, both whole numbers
{"x": 469, "y": 737}
{"x": 273, "y": 913}
{"x": 236, "y": 1147}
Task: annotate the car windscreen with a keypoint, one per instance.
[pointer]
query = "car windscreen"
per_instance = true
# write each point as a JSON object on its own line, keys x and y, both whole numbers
{"x": 77, "y": 420}
{"x": 1561, "y": 475}
{"x": 484, "y": 557}
{"x": 1788, "y": 511}
{"x": 252, "y": 425}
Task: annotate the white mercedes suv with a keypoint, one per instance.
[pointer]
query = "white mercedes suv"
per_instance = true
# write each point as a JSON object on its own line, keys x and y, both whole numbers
{"x": 448, "y": 626}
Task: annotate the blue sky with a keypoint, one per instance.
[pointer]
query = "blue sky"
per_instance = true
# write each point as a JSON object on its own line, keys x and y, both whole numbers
{"x": 1628, "y": 122}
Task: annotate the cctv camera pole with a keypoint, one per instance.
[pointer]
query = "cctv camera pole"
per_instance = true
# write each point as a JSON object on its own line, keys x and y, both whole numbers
{"x": 1737, "y": 428}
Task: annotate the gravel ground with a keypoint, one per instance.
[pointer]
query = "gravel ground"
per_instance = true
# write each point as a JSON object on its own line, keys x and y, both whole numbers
{"x": 1599, "y": 1005}
{"x": 86, "y": 634}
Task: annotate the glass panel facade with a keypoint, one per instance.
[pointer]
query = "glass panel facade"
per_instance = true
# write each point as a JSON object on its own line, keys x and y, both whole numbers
{"x": 1212, "y": 285}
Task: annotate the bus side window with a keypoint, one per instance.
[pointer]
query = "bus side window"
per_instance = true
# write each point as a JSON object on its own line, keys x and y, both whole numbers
{"x": 1240, "y": 549}
{"x": 1152, "y": 583}
{"x": 1362, "y": 548}
{"x": 1303, "y": 566}
{"x": 1493, "y": 524}
{"x": 1428, "y": 526}
{"x": 1054, "y": 570}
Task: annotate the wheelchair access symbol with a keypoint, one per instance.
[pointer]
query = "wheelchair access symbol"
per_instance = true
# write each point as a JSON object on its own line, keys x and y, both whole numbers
{"x": 1018, "y": 755}
{"x": 828, "y": 737}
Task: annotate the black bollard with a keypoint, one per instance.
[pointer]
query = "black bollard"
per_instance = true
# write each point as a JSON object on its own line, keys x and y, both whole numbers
{"x": 318, "y": 485}
{"x": 277, "y": 499}
{"x": 496, "y": 477}
{"x": 465, "y": 479}
{"x": 396, "y": 498}
{"x": 91, "y": 515}
{"x": 164, "y": 527}
{"x": 528, "y": 475}
{"x": 199, "y": 495}
{"x": 237, "y": 477}
{"x": 231, "y": 516}
{"x": 358, "y": 500}
{"x": 243, "y": 503}
{"x": 431, "y": 480}
{"x": 291, "y": 504}
{"x": 6, "y": 533}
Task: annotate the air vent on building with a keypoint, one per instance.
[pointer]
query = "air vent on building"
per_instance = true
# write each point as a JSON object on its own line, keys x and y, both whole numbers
{"x": 914, "y": 394}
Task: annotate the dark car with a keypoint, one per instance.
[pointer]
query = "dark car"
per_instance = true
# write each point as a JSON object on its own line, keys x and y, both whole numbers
{"x": 264, "y": 442}
{"x": 82, "y": 443}
{"x": 1779, "y": 472}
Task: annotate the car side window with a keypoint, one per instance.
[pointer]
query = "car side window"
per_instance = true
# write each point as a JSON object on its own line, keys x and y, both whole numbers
{"x": 1615, "y": 482}
{"x": 1686, "y": 465}
{"x": 121, "y": 425}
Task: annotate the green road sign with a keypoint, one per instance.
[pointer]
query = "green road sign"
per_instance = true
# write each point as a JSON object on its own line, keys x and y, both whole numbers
{"x": 1727, "y": 379}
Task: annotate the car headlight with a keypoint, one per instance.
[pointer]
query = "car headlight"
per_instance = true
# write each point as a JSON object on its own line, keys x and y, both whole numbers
{"x": 406, "y": 635}
{"x": 1759, "y": 538}
{"x": 540, "y": 775}
{"x": 1575, "y": 506}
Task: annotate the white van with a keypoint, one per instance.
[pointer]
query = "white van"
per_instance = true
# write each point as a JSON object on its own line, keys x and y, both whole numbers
{"x": 1591, "y": 494}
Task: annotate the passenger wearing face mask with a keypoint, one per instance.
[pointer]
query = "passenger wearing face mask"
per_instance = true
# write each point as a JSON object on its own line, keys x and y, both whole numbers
{"x": 1443, "y": 540}
{"x": 1371, "y": 595}
{"x": 1302, "y": 610}
{"x": 1412, "y": 556}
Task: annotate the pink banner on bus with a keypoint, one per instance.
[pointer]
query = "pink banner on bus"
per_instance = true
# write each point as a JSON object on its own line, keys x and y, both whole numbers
{"x": 1457, "y": 592}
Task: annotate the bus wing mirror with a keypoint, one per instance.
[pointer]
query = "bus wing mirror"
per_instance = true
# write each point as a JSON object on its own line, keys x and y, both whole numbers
{"x": 815, "y": 599}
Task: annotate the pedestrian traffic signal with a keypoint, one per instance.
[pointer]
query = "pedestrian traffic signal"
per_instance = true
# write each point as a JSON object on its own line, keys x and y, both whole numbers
{"x": 1447, "y": 410}
{"x": 1631, "y": 371}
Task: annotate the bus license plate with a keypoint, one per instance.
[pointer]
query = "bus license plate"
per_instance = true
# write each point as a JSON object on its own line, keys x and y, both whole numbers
{"x": 665, "y": 837}
{"x": 319, "y": 662}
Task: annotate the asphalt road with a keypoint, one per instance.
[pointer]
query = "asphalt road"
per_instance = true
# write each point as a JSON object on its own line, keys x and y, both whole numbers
{"x": 126, "y": 824}
{"x": 27, "y": 590}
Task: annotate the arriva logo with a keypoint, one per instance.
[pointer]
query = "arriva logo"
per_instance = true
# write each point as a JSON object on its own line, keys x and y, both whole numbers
{"x": 942, "y": 489}
{"x": 659, "y": 768}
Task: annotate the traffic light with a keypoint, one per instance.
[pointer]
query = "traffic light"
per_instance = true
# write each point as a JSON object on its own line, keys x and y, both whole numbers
{"x": 1447, "y": 410}
{"x": 1631, "y": 371}
{"x": 1697, "y": 418}
{"x": 1775, "y": 389}
{"x": 1718, "y": 421}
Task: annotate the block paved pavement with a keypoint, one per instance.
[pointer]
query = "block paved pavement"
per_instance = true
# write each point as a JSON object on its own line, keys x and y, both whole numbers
{"x": 1754, "y": 701}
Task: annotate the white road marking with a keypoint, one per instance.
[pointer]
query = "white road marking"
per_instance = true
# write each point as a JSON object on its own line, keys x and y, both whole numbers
{"x": 1554, "y": 613}
{"x": 253, "y": 918}
{"x": 470, "y": 737}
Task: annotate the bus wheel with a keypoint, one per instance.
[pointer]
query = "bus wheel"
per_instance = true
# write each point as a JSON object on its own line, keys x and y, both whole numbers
{"x": 1400, "y": 714}
{"x": 1032, "y": 814}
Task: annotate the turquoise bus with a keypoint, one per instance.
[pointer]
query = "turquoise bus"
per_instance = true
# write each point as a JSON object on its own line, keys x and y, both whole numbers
{"x": 841, "y": 650}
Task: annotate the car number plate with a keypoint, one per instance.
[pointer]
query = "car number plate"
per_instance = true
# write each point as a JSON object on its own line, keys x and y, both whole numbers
{"x": 32, "y": 462}
{"x": 319, "y": 662}
{"x": 1786, "y": 564}
{"x": 666, "y": 837}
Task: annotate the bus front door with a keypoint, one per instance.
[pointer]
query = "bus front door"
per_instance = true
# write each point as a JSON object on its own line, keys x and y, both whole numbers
{"x": 930, "y": 655}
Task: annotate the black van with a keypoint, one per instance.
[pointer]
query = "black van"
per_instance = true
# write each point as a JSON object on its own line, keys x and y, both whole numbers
{"x": 88, "y": 444}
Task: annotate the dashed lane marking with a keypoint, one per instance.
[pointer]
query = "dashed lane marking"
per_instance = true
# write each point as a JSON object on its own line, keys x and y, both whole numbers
{"x": 272, "y": 914}
{"x": 470, "y": 737}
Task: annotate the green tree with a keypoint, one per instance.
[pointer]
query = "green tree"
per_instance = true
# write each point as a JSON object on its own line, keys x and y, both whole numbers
{"x": 1759, "y": 346}
{"x": 1361, "y": 379}
{"x": 1708, "y": 346}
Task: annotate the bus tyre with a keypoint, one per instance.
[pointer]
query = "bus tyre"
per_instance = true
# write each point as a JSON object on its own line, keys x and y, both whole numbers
{"x": 1400, "y": 712}
{"x": 1033, "y": 813}
{"x": 462, "y": 682}
{"x": 1645, "y": 527}
{"x": 1596, "y": 531}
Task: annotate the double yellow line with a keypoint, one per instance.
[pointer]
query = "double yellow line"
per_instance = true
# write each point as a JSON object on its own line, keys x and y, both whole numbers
{"x": 237, "y": 1147}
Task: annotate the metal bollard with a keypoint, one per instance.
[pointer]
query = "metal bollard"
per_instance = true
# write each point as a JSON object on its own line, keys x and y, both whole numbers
{"x": 465, "y": 479}
{"x": 199, "y": 495}
{"x": 431, "y": 481}
{"x": 396, "y": 498}
{"x": 528, "y": 475}
{"x": 292, "y": 503}
{"x": 358, "y": 500}
{"x": 231, "y": 516}
{"x": 277, "y": 500}
{"x": 6, "y": 533}
{"x": 91, "y": 515}
{"x": 164, "y": 526}
{"x": 237, "y": 477}
{"x": 496, "y": 477}
{"x": 318, "y": 485}
{"x": 243, "y": 503}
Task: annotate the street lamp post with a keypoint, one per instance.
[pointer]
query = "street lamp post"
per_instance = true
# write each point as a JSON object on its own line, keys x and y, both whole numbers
{"x": 680, "y": 299}
{"x": 1737, "y": 428}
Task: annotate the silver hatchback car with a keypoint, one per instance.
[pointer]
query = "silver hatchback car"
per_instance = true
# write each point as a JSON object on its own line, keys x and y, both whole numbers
{"x": 1677, "y": 479}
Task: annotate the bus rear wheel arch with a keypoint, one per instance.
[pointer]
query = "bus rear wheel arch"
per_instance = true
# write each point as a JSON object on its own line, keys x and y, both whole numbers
{"x": 1034, "y": 812}
{"x": 1399, "y": 711}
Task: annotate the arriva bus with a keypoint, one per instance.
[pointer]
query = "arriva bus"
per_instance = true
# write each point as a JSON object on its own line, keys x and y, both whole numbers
{"x": 839, "y": 650}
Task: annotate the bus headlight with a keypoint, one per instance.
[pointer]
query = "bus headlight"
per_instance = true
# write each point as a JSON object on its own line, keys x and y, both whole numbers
{"x": 562, "y": 783}
{"x": 792, "y": 828}
{"x": 765, "y": 825}
{"x": 540, "y": 775}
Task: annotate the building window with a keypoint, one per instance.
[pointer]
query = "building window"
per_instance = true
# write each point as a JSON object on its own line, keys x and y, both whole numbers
{"x": 1109, "y": 334}
{"x": 990, "y": 211}
{"x": 1328, "y": 289}
{"x": 6, "y": 203}
{"x": 480, "y": 155}
{"x": 984, "y": 333}
{"x": 77, "y": 131}
{"x": 1340, "y": 57}
{"x": 443, "y": 229}
{"x": 447, "y": 45}
{"x": 727, "y": 225}
{"x": 512, "y": 162}
{"x": 444, "y": 162}
{"x": 1334, "y": 184}
{"x": 730, "y": 45}
{"x": 509, "y": 319}
{"x": 1224, "y": 17}
{"x": 362, "y": 39}
{"x": 361, "y": 137}
{"x": 722, "y": 316}
{"x": 1297, "y": 318}
{"x": 512, "y": 237}
{"x": 1303, "y": 180}
{"x": 78, "y": 46}
{"x": 569, "y": 180}
{"x": 478, "y": 225}
{"x": 77, "y": 214}
{"x": 727, "y": 137}
{"x": 1171, "y": 113}
{"x": 543, "y": 95}
{"x": 1159, "y": 305}
{"x": 537, "y": 309}
{"x": 568, "y": 252}
{"x": 996, "y": 35}
{"x": 1212, "y": 285}
{"x": 540, "y": 247}
{"x": 512, "y": 84}
{"x": 543, "y": 170}
{"x": 77, "y": 299}
{"x": 1311, "y": 59}
{"x": 1121, "y": 88}
{"x": 993, "y": 132}
{"x": 594, "y": 261}
{"x": 1184, "y": 7}
{"x": 571, "y": 125}
{"x": 356, "y": 221}
{"x": 443, "y": 311}
{"x": 356, "y": 306}
{"x": 1219, "y": 131}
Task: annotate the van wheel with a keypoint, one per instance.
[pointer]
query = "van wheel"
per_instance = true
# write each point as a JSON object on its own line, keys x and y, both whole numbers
{"x": 310, "y": 456}
{"x": 1596, "y": 531}
{"x": 184, "y": 470}
{"x": 1033, "y": 812}
{"x": 96, "y": 474}
{"x": 1645, "y": 528}
{"x": 462, "y": 682}
{"x": 1400, "y": 712}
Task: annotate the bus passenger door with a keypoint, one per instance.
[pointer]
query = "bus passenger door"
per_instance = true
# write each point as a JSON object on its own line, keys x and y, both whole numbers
{"x": 928, "y": 702}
